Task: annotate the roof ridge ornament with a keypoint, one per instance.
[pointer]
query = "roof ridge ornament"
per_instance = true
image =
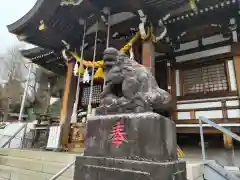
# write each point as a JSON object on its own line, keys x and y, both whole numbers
{"x": 70, "y": 2}
{"x": 162, "y": 29}
{"x": 42, "y": 26}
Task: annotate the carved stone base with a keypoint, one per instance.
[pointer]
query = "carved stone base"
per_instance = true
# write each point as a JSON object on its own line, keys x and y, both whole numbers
{"x": 99, "y": 168}
{"x": 148, "y": 149}
{"x": 148, "y": 136}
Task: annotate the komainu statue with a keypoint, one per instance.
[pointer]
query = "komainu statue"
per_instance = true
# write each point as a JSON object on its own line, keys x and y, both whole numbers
{"x": 130, "y": 87}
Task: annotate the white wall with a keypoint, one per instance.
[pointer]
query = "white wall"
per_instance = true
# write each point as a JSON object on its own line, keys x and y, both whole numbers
{"x": 202, "y": 104}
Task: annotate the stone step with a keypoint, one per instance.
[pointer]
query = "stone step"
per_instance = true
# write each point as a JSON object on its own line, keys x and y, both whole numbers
{"x": 13, "y": 173}
{"x": 39, "y": 155}
{"x": 35, "y": 165}
{"x": 16, "y": 164}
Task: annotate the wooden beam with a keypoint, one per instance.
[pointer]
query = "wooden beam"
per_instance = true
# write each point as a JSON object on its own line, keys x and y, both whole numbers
{"x": 208, "y": 95}
{"x": 194, "y": 130}
{"x": 218, "y": 121}
{"x": 211, "y": 109}
{"x": 192, "y": 50}
{"x": 183, "y": 130}
{"x": 203, "y": 48}
{"x": 207, "y": 100}
{"x": 67, "y": 105}
{"x": 209, "y": 60}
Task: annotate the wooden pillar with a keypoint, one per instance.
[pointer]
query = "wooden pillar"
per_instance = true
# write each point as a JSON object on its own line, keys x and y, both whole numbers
{"x": 169, "y": 77}
{"x": 67, "y": 105}
{"x": 171, "y": 81}
{"x": 148, "y": 55}
{"x": 224, "y": 110}
{"x": 236, "y": 61}
{"x": 137, "y": 51}
{"x": 237, "y": 71}
{"x": 193, "y": 114}
{"x": 227, "y": 140}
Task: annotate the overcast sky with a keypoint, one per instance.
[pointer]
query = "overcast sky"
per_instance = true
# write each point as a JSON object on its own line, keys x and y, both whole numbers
{"x": 11, "y": 11}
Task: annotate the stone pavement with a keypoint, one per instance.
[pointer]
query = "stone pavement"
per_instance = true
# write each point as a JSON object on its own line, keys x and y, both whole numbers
{"x": 224, "y": 157}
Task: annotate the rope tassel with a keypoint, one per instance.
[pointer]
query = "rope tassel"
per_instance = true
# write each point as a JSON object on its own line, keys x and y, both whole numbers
{"x": 99, "y": 74}
{"x": 81, "y": 70}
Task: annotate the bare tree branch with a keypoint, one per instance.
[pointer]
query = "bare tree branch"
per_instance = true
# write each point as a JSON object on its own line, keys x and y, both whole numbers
{"x": 14, "y": 72}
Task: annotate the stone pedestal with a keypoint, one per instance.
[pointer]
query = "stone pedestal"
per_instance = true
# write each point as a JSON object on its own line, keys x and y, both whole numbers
{"x": 130, "y": 146}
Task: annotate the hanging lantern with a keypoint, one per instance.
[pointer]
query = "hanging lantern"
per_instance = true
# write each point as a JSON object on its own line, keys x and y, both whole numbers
{"x": 86, "y": 77}
{"x": 99, "y": 74}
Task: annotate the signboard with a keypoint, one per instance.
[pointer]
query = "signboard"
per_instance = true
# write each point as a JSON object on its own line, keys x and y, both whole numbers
{"x": 54, "y": 137}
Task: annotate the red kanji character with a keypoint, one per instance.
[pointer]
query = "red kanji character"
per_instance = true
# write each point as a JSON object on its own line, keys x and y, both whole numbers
{"x": 118, "y": 135}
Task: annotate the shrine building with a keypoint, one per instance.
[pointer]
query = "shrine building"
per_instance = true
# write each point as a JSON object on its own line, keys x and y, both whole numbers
{"x": 191, "y": 46}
